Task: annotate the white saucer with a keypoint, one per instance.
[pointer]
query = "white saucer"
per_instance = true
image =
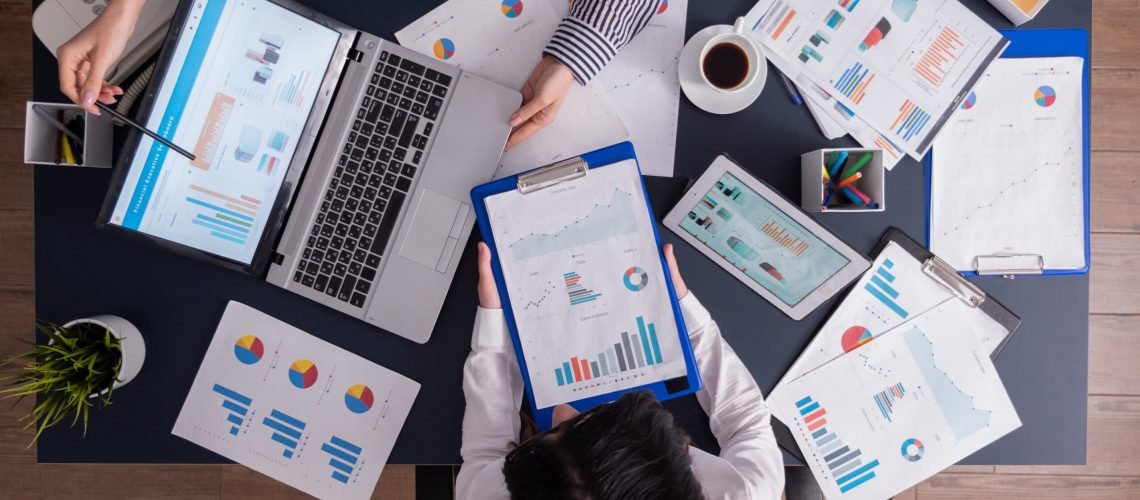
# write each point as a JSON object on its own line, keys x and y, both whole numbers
{"x": 700, "y": 93}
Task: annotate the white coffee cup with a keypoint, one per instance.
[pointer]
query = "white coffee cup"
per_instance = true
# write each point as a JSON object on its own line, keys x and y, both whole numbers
{"x": 755, "y": 61}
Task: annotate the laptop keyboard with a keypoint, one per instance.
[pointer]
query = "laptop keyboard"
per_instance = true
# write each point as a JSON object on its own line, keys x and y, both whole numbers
{"x": 374, "y": 174}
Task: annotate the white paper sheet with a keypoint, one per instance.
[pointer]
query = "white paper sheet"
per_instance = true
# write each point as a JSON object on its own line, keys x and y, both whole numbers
{"x": 584, "y": 277}
{"x": 820, "y": 101}
{"x": 504, "y": 48}
{"x": 1008, "y": 173}
{"x": 890, "y": 414}
{"x": 293, "y": 407}
{"x": 900, "y": 65}
{"x": 893, "y": 291}
{"x": 643, "y": 83}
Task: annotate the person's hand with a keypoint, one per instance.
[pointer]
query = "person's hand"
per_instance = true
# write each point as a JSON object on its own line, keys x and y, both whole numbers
{"x": 84, "y": 59}
{"x": 543, "y": 95}
{"x": 675, "y": 273}
{"x": 488, "y": 292}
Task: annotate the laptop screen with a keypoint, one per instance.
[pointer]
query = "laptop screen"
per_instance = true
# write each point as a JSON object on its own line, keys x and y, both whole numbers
{"x": 239, "y": 88}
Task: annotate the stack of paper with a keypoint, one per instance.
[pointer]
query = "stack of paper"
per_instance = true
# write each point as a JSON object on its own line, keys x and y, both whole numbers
{"x": 897, "y": 386}
{"x": 891, "y": 71}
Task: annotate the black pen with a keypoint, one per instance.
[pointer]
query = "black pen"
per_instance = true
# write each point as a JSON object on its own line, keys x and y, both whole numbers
{"x": 144, "y": 130}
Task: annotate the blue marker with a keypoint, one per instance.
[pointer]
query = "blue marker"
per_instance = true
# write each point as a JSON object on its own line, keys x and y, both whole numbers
{"x": 827, "y": 199}
{"x": 839, "y": 160}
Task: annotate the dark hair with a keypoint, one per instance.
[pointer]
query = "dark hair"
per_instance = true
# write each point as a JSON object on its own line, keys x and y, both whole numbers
{"x": 629, "y": 449}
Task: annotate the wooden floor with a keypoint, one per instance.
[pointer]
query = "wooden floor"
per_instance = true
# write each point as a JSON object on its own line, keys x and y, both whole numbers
{"x": 1113, "y": 469}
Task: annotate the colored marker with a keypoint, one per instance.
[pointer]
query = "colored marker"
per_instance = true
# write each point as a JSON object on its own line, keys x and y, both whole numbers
{"x": 850, "y": 180}
{"x": 827, "y": 199}
{"x": 858, "y": 165}
{"x": 851, "y": 195}
{"x": 839, "y": 159}
{"x": 799, "y": 101}
{"x": 865, "y": 198}
{"x": 826, "y": 178}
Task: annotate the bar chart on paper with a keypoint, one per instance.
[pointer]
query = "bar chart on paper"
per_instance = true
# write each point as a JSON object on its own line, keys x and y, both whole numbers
{"x": 848, "y": 467}
{"x": 237, "y": 405}
{"x": 286, "y": 430}
{"x": 633, "y": 352}
{"x": 880, "y": 288}
{"x": 345, "y": 456}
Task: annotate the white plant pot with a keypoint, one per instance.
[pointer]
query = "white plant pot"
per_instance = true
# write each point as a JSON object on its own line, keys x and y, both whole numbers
{"x": 133, "y": 347}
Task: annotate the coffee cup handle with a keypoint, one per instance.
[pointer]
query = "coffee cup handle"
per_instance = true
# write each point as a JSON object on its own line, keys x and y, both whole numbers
{"x": 738, "y": 26}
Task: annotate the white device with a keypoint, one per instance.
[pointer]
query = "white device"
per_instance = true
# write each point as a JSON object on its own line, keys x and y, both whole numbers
{"x": 764, "y": 240}
{"x": 57, "y": 21}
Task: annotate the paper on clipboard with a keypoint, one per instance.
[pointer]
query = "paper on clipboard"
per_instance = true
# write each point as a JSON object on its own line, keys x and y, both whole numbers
{"x": 1007, "y": 175}
{"x": 895, "y": 290}
{"x": 587, "y": 289}
{"x": 918, "y": 399}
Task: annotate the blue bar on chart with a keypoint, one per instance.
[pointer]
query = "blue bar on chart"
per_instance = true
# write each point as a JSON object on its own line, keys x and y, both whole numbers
{"x": 854, "y": 81}
{"x": 846, "y": 464}
{"x": 225, "y": 217}
{"x": 345, "y": 455}
{"x": 577, "y": 293}
{"x": 882, "y": 289}
{"x": 634, "y": 351}
{"x": 886, "y": 398}
{"x": 237, "y": 404}
{"x": 287, "y": 430}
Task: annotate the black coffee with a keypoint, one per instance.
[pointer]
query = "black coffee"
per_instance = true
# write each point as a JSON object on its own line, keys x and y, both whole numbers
{"x": 726, "y": 65}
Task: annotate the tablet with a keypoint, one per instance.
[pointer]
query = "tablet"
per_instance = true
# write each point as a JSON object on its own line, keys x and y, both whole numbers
{"x": 764, "y": 240}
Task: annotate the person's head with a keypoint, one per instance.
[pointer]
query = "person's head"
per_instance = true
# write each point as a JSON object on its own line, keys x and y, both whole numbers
{"x": 629, "y": 449}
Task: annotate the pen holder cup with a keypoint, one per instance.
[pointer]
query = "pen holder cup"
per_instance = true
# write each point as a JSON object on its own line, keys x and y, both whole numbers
{"x": 41, "y": 138}
{"x": 1019, "y": 11}
{"x": 871, "y": 184}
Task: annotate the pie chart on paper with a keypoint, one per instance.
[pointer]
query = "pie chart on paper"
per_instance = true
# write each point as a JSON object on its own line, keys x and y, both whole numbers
{"x": 855, "y": 337}
{"x": 359, "y": 398}
{"x": 664, "y": 7}
{"x": 1045, "y": 96}
{"x": 248, "y": 349}
{"x": 303, "y": 374}
{"x": 443, "y": 49}
{"x": 512, "y": 8}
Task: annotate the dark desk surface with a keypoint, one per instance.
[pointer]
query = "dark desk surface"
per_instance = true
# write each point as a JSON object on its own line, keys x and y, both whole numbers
{"x": 177, "y": 302}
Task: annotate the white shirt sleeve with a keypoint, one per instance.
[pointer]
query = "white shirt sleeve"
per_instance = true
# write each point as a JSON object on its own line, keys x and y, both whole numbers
{"x": 750, "y": 464}
{"x": 493, "y": 388}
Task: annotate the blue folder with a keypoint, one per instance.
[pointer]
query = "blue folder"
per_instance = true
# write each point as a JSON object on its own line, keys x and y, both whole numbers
{"x": 664, "y": 390}
{"x": 1045, "y": 43}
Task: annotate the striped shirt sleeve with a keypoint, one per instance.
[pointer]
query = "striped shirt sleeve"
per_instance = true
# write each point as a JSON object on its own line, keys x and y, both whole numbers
{"x": 595, "y": 30}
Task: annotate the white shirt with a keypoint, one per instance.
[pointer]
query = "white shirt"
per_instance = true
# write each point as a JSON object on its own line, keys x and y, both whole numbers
{"x": 750, "y": 465}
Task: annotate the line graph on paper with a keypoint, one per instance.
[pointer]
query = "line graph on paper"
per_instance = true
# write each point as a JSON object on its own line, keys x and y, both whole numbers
{"x": 1005, "y": 195}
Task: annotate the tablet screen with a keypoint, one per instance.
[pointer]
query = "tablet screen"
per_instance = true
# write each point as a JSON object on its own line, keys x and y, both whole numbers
{"x": 762, "y": 241}
{"x": 237, "y": 93}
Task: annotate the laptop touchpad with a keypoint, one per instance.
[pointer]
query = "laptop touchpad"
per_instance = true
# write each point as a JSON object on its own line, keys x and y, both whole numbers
{"x": 431, "y": 224}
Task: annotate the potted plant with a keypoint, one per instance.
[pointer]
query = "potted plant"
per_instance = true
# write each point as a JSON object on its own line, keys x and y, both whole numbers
{"x": 81, "y": 365}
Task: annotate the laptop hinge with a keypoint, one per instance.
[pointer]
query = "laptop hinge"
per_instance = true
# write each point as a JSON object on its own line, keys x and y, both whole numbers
{"x": 355, "y": 55}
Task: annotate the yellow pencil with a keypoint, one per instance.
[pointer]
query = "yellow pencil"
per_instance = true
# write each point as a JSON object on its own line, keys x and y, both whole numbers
{"x": 68, "y": 156}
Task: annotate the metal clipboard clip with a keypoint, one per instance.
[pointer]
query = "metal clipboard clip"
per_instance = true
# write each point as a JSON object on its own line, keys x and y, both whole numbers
{"x": 1009, "y": 265}
{"x": 556, "y": 173}
{"x": 938, "y": 270}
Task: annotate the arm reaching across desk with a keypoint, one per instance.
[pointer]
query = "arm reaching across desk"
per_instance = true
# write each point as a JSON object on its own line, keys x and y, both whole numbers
{"x": 585, "y": 42}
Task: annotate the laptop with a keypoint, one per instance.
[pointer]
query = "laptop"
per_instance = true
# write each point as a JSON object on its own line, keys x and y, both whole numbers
{"x": 333, "y": 163}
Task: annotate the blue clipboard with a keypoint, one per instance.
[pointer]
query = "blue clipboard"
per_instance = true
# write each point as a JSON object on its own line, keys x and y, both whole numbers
{"x": 597, "y": 159}
{"x": 1044, "y": 43}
